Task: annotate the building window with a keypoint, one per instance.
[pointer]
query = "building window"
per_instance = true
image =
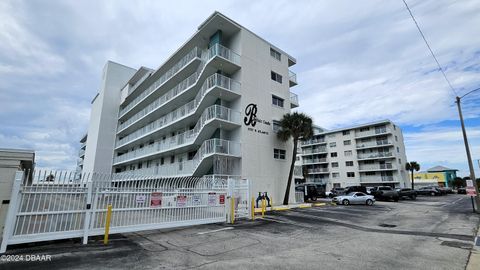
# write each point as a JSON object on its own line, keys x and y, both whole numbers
{"x": 331, "y": 135}
{"x": 398, "y": 150}
{"x": 334, "y": 164}
{"x": 399, "y": 161}
{"x": 162, "y": 161}
{"x": 347, "y": 142}
{"x": 346, "y": 132}
{"x": 276, "y": 77}
{"x": 350, "y": 174}
{"x": 335, "y": 175}
{"x": 364, "y": 129}
{"x": 370, "y": 173}
{"x": 349, "y": 163}
{"x": 148, "y": 163}
{"x": 277, "y": 101}
{"x": 396, "y": 138}
{"x": 172, "y": 159}
{"x": 394, "y": 127}
{"x": 139, "y": 165}
{"x": 278, "y": 153}
{"x": 276, "y": 125}
{"x": 191, "y": 155}
{"x": 333, "y": 154}
{"x": 333, "y": 144}
{"x": 275, "y": 54}
{"x": 348, "y": 153}
{"x": 132, "y": 167}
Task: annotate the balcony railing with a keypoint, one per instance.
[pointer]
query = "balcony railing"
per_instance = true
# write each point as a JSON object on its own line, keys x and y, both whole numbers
{"x": 314, "y": 160}
{"x": 313, "y": 141}
{"x": 318, "y": 170}
{"x": 293, "y": 99}
{"x": 81, "y": 153}
{"x": 374, "y": 167}
{"x": 216, "y": 50}
{"x": 292, "y": 78}
{"x": 373, "y": 144}
{"x": 208, "y": 147}
{"x": 375, "y": 155}
{"x": 189, "y": 108}
{"x": 378, "y": 178}
{"x": 373, "y": 132}
{"x": 314, "y": 151}
{"x": 213, "y": 112}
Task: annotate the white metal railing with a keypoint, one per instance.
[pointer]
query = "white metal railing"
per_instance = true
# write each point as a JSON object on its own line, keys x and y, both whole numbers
{"x": 81, "y": 152}
{"x": 185, "y": 168}
{"x": 293, "y": 98}
{"x": 292, "y": 76}
{"x": 373, "y": 131}
{"x": 378, "y": 178}
{"x": 313, "y": 141}
{"x": 376, "y": 167}
{"x": 314, "y": 151}
{"x": 212, "y": 81}
{"x": 318, "y": 170}
{"x": 373, "y": 144}
{"x": 315, "y": 179}
{"x": 374, "y": 155}
{"x": 205, "y": 56}
{"x": 187, "y": 137}
{"x": 144, "y": 77}
{"x": 314, "y": 160}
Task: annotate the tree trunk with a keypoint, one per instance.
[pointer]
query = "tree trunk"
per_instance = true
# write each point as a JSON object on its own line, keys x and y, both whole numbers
{"x": 290, "y": 174}
{"x": 411, "y": 172}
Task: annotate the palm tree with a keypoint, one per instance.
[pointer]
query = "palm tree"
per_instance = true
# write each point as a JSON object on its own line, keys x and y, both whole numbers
{"x": 412, "y": 166}
{"x": 295, "y": 126}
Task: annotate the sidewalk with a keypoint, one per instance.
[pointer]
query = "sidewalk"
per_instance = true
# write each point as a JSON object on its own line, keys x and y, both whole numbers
{"x": 474, "y": 260}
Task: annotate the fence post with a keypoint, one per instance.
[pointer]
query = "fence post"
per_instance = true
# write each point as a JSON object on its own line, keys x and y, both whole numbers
{"x": 88, "y": 212}
{"x": 12, "y": 211}
{"x": 232, "y": 210}
{"x": 107, "y": 224}
{"x": 252, "y": 208}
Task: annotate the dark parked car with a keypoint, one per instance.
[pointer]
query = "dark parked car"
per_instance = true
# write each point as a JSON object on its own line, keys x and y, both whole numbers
{"x": 336, "y": 192}
{"x": 355, "y": 189}
{"x": 407, "y": 193}
{"x": 385, "y": 193}
{"x": 432, "y": 191}
{"x": 461, "y": 190}
{"x": 446, "y": 190}
{"x": 310, "y": 191}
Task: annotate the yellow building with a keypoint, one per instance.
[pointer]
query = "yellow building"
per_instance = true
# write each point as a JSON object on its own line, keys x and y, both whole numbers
{"x": 438, "y": 175}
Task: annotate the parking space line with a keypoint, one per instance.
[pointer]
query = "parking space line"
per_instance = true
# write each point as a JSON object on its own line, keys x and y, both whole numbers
{"x": 218, "y": 230}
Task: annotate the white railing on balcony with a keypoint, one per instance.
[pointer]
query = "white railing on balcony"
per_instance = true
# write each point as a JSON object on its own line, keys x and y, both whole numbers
{"x": 313, "y": 141}
{"x": 212, "y": 112}
{"x": 81, "y": 152}
{"x": 374, "y": 155}
{"x": 216, "y": 80}
{"x": 373, "y": 144}
{"x": 318, "y": 170}
{"x": 208, "y": 147}
{"x": 292, "y": 76}
{"x": 373, "y": 131}
{"x": 378, "y": 178}
{"x": 314, "y": 151}
{"x": 293, "y": 98}
{"x": 376, "y": 167}
{"x": 314, "y": 160}
{"x": 144, "y": 77}
{"x": 216, "y": 50}
{"x": 315, "y": 179}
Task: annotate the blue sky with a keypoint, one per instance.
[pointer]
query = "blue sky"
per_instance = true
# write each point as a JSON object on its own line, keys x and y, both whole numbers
{"x": 357, "y": 62}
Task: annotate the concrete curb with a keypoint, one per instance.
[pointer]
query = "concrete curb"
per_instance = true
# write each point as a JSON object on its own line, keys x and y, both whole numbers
{"x": 474, "y": 259}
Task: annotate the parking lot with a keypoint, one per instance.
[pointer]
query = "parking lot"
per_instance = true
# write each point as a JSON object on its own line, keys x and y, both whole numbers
{"x": 427, "y": 233}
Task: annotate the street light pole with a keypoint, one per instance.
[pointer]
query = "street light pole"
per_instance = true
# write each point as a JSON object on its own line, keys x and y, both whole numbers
{"x": 467, "y": 149}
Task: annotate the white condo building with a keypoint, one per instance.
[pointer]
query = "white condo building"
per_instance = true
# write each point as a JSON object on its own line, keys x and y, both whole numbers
{"x": 210, "y": 109}
{"x": 369, "y": 155}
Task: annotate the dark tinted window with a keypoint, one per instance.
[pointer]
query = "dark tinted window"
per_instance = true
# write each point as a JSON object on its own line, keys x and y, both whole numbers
{"x": 360, "y": 194}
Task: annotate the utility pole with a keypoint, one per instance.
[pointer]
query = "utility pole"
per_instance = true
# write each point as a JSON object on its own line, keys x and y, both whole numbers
{"x": 467, "y": 149}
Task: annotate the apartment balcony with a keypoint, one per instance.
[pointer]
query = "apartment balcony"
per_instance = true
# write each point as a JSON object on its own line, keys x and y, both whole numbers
{"x": 378, "y": 179}
{"x": 188, "y": 168}
{"x": 217, "y": 57}
{"x": 292, "y": 78}
{"x": 316, "y": 180}
{"x": 373, "y": 132}
{"x": 81, "y": 153}
{"x": 377, "y": 167}
{"x": 80, "y": 162}
{"x": 318, "y": 170}
{"x": 377, "y": 155}
{"x": 307, "y": 161}
{"x": 212, "y": 87}
{"x": 293, "y": 100}
{"x": 321, "y": 150}
{"x": 313, "y": 141}
{"x": 83, "y": 145}
{"x": 213, "y": 117}
{"x": 373, "y": 144}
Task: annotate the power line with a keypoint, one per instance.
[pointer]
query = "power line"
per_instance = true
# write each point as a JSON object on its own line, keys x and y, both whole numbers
{"x": 430, "y": 49}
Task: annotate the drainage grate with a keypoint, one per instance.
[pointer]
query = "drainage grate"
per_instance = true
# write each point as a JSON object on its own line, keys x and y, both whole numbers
{"x": 387, "y": 225}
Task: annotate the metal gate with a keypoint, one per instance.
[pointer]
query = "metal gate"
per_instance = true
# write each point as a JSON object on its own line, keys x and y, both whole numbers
{"x": 50, "y": 206}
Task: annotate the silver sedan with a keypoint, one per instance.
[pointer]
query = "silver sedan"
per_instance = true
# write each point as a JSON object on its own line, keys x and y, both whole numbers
{"x": 355, "y": 198}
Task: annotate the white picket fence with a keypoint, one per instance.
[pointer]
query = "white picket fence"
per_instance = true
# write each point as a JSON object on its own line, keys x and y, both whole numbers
{"x": 53, "y": 205}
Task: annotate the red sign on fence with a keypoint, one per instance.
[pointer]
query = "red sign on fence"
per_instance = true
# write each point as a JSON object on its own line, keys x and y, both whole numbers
{"x": 181, "y": 201}
{"x": 222, "y": 199}
{"x": 156, "y": 199}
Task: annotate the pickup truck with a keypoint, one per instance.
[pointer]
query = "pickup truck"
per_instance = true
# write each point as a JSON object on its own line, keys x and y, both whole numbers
{"x": 385, "y": 193}
{"x": 407, "y": 192}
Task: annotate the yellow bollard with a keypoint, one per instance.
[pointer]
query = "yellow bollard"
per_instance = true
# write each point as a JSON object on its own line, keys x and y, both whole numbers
{"x": 263, "y": 208}
{"x": 232, "y": 210}
{"x": 271, "y": 203}
{"x": 253, "y": 208}
{"x": 107, "y": 224}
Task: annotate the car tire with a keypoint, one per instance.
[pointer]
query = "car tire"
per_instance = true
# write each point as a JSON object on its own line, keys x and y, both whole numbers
{"x": 369, "y": 202}
{"x": 314, "y": 198}
{"x": 432, "y": 193}
{"x": 345, "y": 202}
{"x": 413, "y": 197}
{"x": 395, "y": 199}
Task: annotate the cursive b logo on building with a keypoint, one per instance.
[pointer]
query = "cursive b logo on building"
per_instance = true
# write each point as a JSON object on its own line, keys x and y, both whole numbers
{"x": 251, "y": 115}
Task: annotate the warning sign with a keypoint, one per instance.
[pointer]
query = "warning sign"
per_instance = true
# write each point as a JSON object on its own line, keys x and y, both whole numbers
{"x": 156, "y": 199}
{"x": 140, "y": 199}
{"x": 222, "y": 199}
{"x": 196, "y": 199}
{"x": 212, "y": 198}
{"x": 181, "y": 201}
{"x": 471, "y": 191}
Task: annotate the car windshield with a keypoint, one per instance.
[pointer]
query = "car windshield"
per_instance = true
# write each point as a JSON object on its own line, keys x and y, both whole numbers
{"x": 351, "y": 194}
